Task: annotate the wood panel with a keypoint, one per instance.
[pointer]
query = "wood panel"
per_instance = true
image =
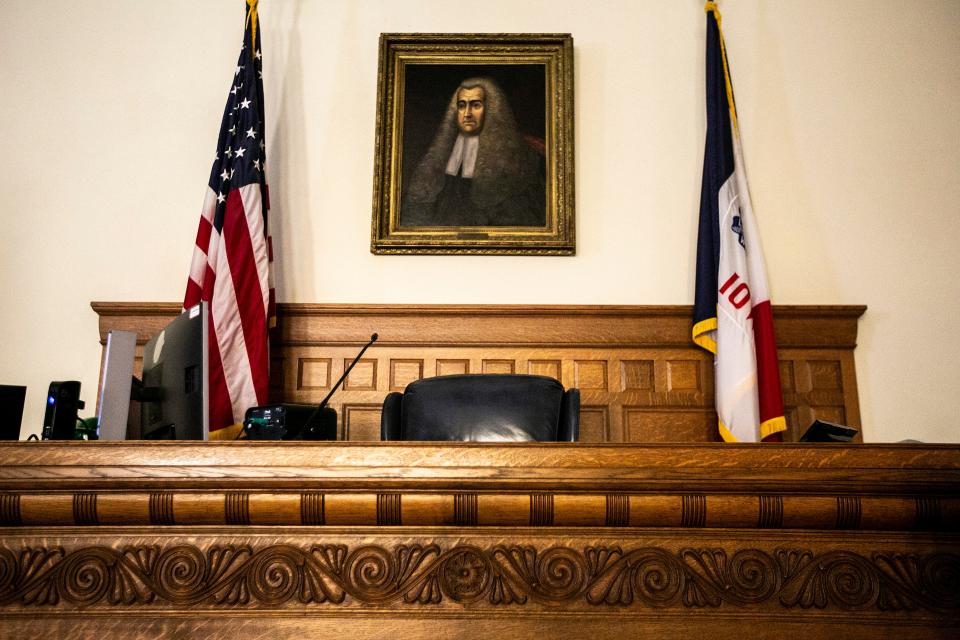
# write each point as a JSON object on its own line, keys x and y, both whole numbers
{"x": 286, "y": 540}
{"x": 636, "y": 363}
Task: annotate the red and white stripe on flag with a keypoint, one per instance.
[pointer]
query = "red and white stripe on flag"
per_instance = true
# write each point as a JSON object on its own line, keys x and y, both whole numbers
{"x": 231, "y": 270}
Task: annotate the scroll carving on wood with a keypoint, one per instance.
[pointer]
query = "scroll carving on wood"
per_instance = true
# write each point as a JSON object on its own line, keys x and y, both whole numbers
{"x": 502, "y": 575}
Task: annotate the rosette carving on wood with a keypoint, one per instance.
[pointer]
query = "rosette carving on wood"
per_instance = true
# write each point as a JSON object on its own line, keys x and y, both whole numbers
{"x": 462, "y": 575}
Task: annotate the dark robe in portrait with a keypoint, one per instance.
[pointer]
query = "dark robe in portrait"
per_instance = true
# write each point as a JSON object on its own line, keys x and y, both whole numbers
{"x": 523, "y": 203}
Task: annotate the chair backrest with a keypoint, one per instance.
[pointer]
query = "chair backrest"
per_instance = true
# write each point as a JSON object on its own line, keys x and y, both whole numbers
{"x": 482, "y": 408}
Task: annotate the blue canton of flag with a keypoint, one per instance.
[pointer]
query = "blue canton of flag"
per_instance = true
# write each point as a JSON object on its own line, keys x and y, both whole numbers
{"x": 241, "y": 150}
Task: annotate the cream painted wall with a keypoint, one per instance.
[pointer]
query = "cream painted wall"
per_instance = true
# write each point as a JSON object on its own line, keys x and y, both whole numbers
{"x": 850, "y": 114}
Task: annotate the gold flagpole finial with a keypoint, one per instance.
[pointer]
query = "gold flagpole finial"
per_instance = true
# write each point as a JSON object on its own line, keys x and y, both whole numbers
{"x": 252, "y": 20}
{"x": 711, "y": 7}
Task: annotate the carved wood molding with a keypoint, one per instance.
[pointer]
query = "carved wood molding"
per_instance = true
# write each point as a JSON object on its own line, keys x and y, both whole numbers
{"x": 488, "y": 509}
{"x": 641, "y": 577}
{"x": 206, "y": 539}
{"x": 797, "y": 326}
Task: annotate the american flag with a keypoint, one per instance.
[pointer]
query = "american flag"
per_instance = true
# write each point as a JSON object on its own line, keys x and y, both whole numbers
{"x": 232, "y": 260}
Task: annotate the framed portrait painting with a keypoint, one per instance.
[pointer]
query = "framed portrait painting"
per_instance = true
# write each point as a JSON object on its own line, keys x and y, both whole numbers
{"x": 474, "y": 145}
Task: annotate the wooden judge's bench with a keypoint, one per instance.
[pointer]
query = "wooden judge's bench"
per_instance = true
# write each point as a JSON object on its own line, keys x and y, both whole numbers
{"x": 644, "y": 529}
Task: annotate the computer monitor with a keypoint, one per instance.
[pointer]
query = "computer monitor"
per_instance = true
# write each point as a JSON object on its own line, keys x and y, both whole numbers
{"x": 115, "y": 384}
{"x": 176, "y": 378}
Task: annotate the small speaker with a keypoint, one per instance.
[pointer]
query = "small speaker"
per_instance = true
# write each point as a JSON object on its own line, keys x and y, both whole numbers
{"x": 60, "y": 417}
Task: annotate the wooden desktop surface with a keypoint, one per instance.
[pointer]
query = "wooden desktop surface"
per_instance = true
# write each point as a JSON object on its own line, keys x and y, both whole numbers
{"x": 302, "y": 540}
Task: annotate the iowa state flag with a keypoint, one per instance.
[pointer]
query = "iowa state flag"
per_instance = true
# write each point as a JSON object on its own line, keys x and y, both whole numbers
{"x": 732, "y": 314}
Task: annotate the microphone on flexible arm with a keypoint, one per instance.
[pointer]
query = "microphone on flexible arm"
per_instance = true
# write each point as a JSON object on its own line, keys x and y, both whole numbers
{"x": 323, "y": 420}
{"x": 289, "y": 421}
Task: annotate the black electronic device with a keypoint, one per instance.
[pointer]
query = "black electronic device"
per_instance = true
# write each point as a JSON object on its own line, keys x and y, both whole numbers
{"x": 60, "y": 416}
{"x": 175, "y": 398}
{"x": 135, "y": 411}
{"x": 11, "y": 411}
{"x": 286, "y": 421}
{"x": 298, "y": 421}
{"x": 822, "y": 431}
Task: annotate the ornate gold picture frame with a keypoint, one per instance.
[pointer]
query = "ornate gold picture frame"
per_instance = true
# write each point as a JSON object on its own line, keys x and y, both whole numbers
{"x": 474, "y": 145}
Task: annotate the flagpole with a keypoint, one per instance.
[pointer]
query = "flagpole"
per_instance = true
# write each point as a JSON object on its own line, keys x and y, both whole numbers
{"x": 252, "y": 20}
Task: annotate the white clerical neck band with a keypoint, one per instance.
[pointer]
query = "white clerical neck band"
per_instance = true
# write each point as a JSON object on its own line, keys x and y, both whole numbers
{"x": 463, "y": 156}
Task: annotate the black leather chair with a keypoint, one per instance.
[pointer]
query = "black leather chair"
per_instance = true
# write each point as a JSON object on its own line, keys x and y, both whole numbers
{"x": 482, "y": 408}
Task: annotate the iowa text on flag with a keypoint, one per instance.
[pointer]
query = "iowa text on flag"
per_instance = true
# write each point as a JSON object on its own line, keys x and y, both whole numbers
{"x": 732, "y": 313}
{"x": 231, "y": 267}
